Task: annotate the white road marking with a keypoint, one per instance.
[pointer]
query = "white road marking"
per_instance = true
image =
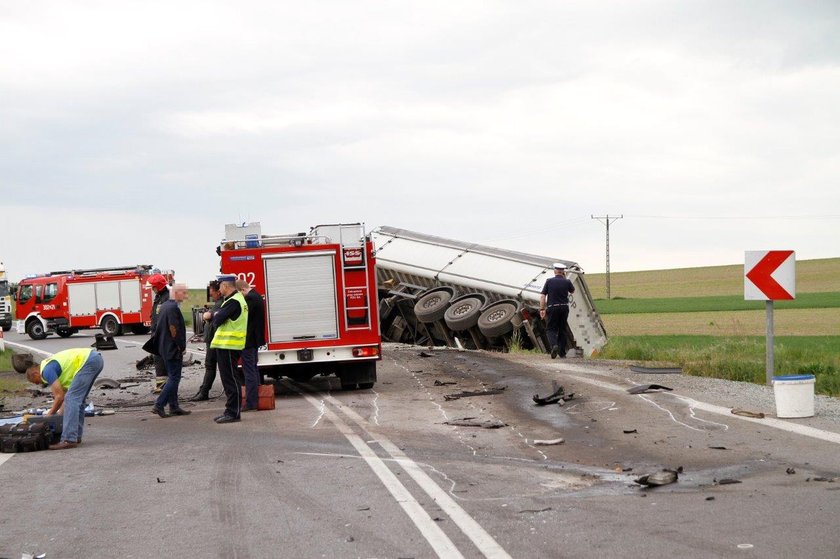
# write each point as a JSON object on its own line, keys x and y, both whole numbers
{"x": 813, "y": 432}
{"x": 472, "y": 529}
{"x": 436, "y": 537}
{"x": 4, "y": 457}
{"x": 27, "y": 347}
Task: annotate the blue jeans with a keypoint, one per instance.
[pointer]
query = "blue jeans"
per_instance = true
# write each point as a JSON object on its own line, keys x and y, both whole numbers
{"x": 169, "y": 392}
{"x": 74, "y": 400}
{"x": 252, "y": 376}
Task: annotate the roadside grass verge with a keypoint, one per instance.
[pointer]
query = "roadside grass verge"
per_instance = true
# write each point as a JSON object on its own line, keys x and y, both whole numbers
{"x": 6, "y": 361}
{"x": 10, "y": 380}
{"x": 713, "y": 304}
{"x": 738, "y": 358}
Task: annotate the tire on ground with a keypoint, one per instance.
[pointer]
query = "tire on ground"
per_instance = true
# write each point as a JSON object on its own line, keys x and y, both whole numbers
{"x": 431, "y": 306}
{"x": 496, "y": 320}
{"x": 463, "y": 314}
{"x": 64, "y": 332}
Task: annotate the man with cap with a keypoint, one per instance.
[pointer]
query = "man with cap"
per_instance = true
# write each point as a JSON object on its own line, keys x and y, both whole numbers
{"x": 161, "y": 290}
{"x": 231, "y": 322}
{"x": 70, "y": 375}
{"x": 554, "y": 302}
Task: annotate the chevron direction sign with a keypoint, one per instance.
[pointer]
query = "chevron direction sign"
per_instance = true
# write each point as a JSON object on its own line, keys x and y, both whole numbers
{"x": 769, "y": 275}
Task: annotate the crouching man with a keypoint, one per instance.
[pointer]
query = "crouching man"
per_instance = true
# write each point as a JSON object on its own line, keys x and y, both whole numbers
{"x": 70, "y": 375}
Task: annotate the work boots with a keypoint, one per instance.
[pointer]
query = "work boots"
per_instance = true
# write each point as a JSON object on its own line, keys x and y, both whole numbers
{"x": 200, "y": 396}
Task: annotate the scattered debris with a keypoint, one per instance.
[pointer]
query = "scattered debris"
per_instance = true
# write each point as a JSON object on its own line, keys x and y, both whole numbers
{"x": 473, "y": 422}
{"x": 103, "y": 342}
{"x": 546, "y": 509}
{"x": 425, "y": 354}
{"x": 718, "y": 447}
{"x": 438, "y": 519}
{"x": 642, "y": 388}
{"x": 548, "y": 442}
{"x": 124, "y": 385}
{"x": 444, "y": 382}
{"x": 468, "y": 393}
{"x": 360, "y": 509}
{"x": 748, "y": 413}
{"x": 160, "y": 480}
{"x": 106, "y": 383}
{"x": 710, "y": 498}
{"x": 630, "y": 431}
{"x": 146, "y": 363}
{"x": 557, "y": 396}
{"x": 790, "y": 471}
{"x": 727, "y": 481}
{"x": 828, "y": 479}
{"x": 656, "y": 370}
{"x": 663, "y": 477}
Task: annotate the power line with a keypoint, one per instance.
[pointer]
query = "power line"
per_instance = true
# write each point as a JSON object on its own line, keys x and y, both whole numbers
{"x": 606, "y": 220}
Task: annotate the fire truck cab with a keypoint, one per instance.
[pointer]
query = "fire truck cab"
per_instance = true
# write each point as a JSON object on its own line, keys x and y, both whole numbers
{"x": 320, "y": 299}
{"x": 67, "y": 301}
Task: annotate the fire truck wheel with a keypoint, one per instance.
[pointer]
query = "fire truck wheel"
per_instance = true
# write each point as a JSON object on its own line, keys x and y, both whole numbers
{"x": 36, "y": 330}
{"x": 463, "y": 314}
{"x": 7, "y": 326}
{"x": 432, "y": 306}
{"x": 496, "y": 319}
{"x": 64, "y": 332}
{"x": 110, "y": 326}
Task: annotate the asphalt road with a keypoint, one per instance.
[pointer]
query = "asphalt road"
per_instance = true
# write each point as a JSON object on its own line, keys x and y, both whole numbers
{"x": 377, "y": 473}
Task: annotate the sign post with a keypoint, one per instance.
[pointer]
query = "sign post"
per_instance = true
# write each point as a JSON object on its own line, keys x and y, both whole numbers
{"x": 769, "y": 275}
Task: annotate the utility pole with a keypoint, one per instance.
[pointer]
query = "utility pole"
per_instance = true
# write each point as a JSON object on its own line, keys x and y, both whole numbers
{"x": 606, "y": 220}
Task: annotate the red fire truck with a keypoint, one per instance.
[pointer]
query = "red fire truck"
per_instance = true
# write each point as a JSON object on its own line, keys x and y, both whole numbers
{"x": 320, "y": 299}
{"x": 67, "y": 301}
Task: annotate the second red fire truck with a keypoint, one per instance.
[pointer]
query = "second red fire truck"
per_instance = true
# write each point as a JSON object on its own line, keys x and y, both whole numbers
{"x": 65, "y": 302}
{"x": 320, "y": 299}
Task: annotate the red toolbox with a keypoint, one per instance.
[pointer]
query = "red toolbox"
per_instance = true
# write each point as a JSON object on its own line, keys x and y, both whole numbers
{"x": 265, "y": 397}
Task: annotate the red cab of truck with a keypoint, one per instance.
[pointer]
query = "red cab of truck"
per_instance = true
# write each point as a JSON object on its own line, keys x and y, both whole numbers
{"x": 65, "y": 302}
{"x": 319, "y": 290}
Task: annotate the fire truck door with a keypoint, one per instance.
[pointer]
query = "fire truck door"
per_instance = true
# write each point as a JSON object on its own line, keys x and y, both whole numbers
{"x": 130, "y": 296}
{"x": 301, "y": 296}
{"x": 81, "y": 299}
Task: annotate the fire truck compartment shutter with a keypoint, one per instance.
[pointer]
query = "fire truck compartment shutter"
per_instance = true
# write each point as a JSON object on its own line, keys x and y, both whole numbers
{"x": 301, "y": 297}
{"x": 130, "y": 296}
{"x": 107, "y": 295}
{"x": 82, "y": 299}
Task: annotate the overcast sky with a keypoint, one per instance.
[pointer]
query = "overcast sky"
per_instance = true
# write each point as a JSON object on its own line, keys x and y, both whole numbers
{"x": 131, "y": 132}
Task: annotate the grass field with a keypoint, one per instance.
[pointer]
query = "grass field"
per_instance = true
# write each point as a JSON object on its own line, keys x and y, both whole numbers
{"x": 697, "y": 318}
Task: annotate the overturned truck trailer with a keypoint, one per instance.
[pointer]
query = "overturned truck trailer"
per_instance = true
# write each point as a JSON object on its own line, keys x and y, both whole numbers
{"x": 435, "y": 290}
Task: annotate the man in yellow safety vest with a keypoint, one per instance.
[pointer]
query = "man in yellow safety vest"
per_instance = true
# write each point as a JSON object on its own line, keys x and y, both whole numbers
{"x": 70, "y": 375}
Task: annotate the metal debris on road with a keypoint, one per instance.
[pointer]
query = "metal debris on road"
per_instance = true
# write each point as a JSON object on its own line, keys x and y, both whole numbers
{"x": 718, "y": 447}
{"x": 727, "y": 481}
{"x": 160, "y": 480}
{"x": 630, "y": 431}
{"x": 106, "y": 383}
{"x": 468, "y": 393}
{"x": 104, "y": 342}
{"x": 473, "y": 422}
{"x": 663, "y": 477}
{"x": 790, "y": 471}
{"x": 425, "y": 354}
{"x": 655, "y": 370}
{"x": 642, "y": 388}
{"x": 547, "y": 442}
{"x": 534, "y": 511}
{"x": 828, "y": 479}
{"x": 557, "y": 396}
{"x": 710, "y": 498}
{"x": 747, "y": 413}
{"x": 444, "y": 382}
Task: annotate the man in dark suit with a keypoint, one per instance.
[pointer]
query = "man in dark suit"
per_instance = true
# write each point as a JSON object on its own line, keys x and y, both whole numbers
{"x": 253, "y": 340}
{"x": 171, "y": 338}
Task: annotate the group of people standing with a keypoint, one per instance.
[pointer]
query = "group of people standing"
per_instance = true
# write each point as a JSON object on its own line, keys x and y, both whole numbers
{"x": 234, "y": 330}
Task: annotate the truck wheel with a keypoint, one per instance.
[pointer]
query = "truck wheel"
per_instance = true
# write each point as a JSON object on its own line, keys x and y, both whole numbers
{"x": 64, "y": 332}
{"x": 358, "y": 375}
{"x": 36, "y": 330}
{"x": 496, "y": 319}
{"x": 7, "y": 326}
{"x": 432, "y": 306}
{"x": 110, "y": 326}
{"x": 463, "y": 314}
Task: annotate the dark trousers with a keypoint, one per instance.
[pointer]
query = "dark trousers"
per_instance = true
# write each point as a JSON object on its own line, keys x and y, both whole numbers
{"x": 169, "y": 392}
{"x": 210, "y": 361}
{"x": 556, "y": 324}
{"x": 252, "y": 376}
{"x": 227, "y": 359}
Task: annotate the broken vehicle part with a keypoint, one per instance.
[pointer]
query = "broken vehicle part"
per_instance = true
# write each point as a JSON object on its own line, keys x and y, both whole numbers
{"x": 469, "y": 393}
{"x": 747, "y": 413}
{"x": 663, "y": 477}
{"x": 473, "y": 422}
{"x": 642, "y": 388}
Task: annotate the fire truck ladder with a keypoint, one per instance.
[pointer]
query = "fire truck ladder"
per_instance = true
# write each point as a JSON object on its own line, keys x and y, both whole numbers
{"x": 355, "y": 229}
{"x": 139, "y": 268}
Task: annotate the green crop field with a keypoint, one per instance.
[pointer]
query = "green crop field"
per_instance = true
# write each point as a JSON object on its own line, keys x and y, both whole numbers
{"x": 697, "y": 318}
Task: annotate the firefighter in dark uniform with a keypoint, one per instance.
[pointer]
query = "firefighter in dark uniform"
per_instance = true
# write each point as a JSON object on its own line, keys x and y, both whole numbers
{"x": 161, "y": 290}
{"x": 231, "y": 322}
{"x": 554, "y": 303}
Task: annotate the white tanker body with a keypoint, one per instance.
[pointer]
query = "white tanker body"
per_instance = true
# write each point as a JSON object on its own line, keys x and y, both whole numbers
{"x": 461, "y": 273}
